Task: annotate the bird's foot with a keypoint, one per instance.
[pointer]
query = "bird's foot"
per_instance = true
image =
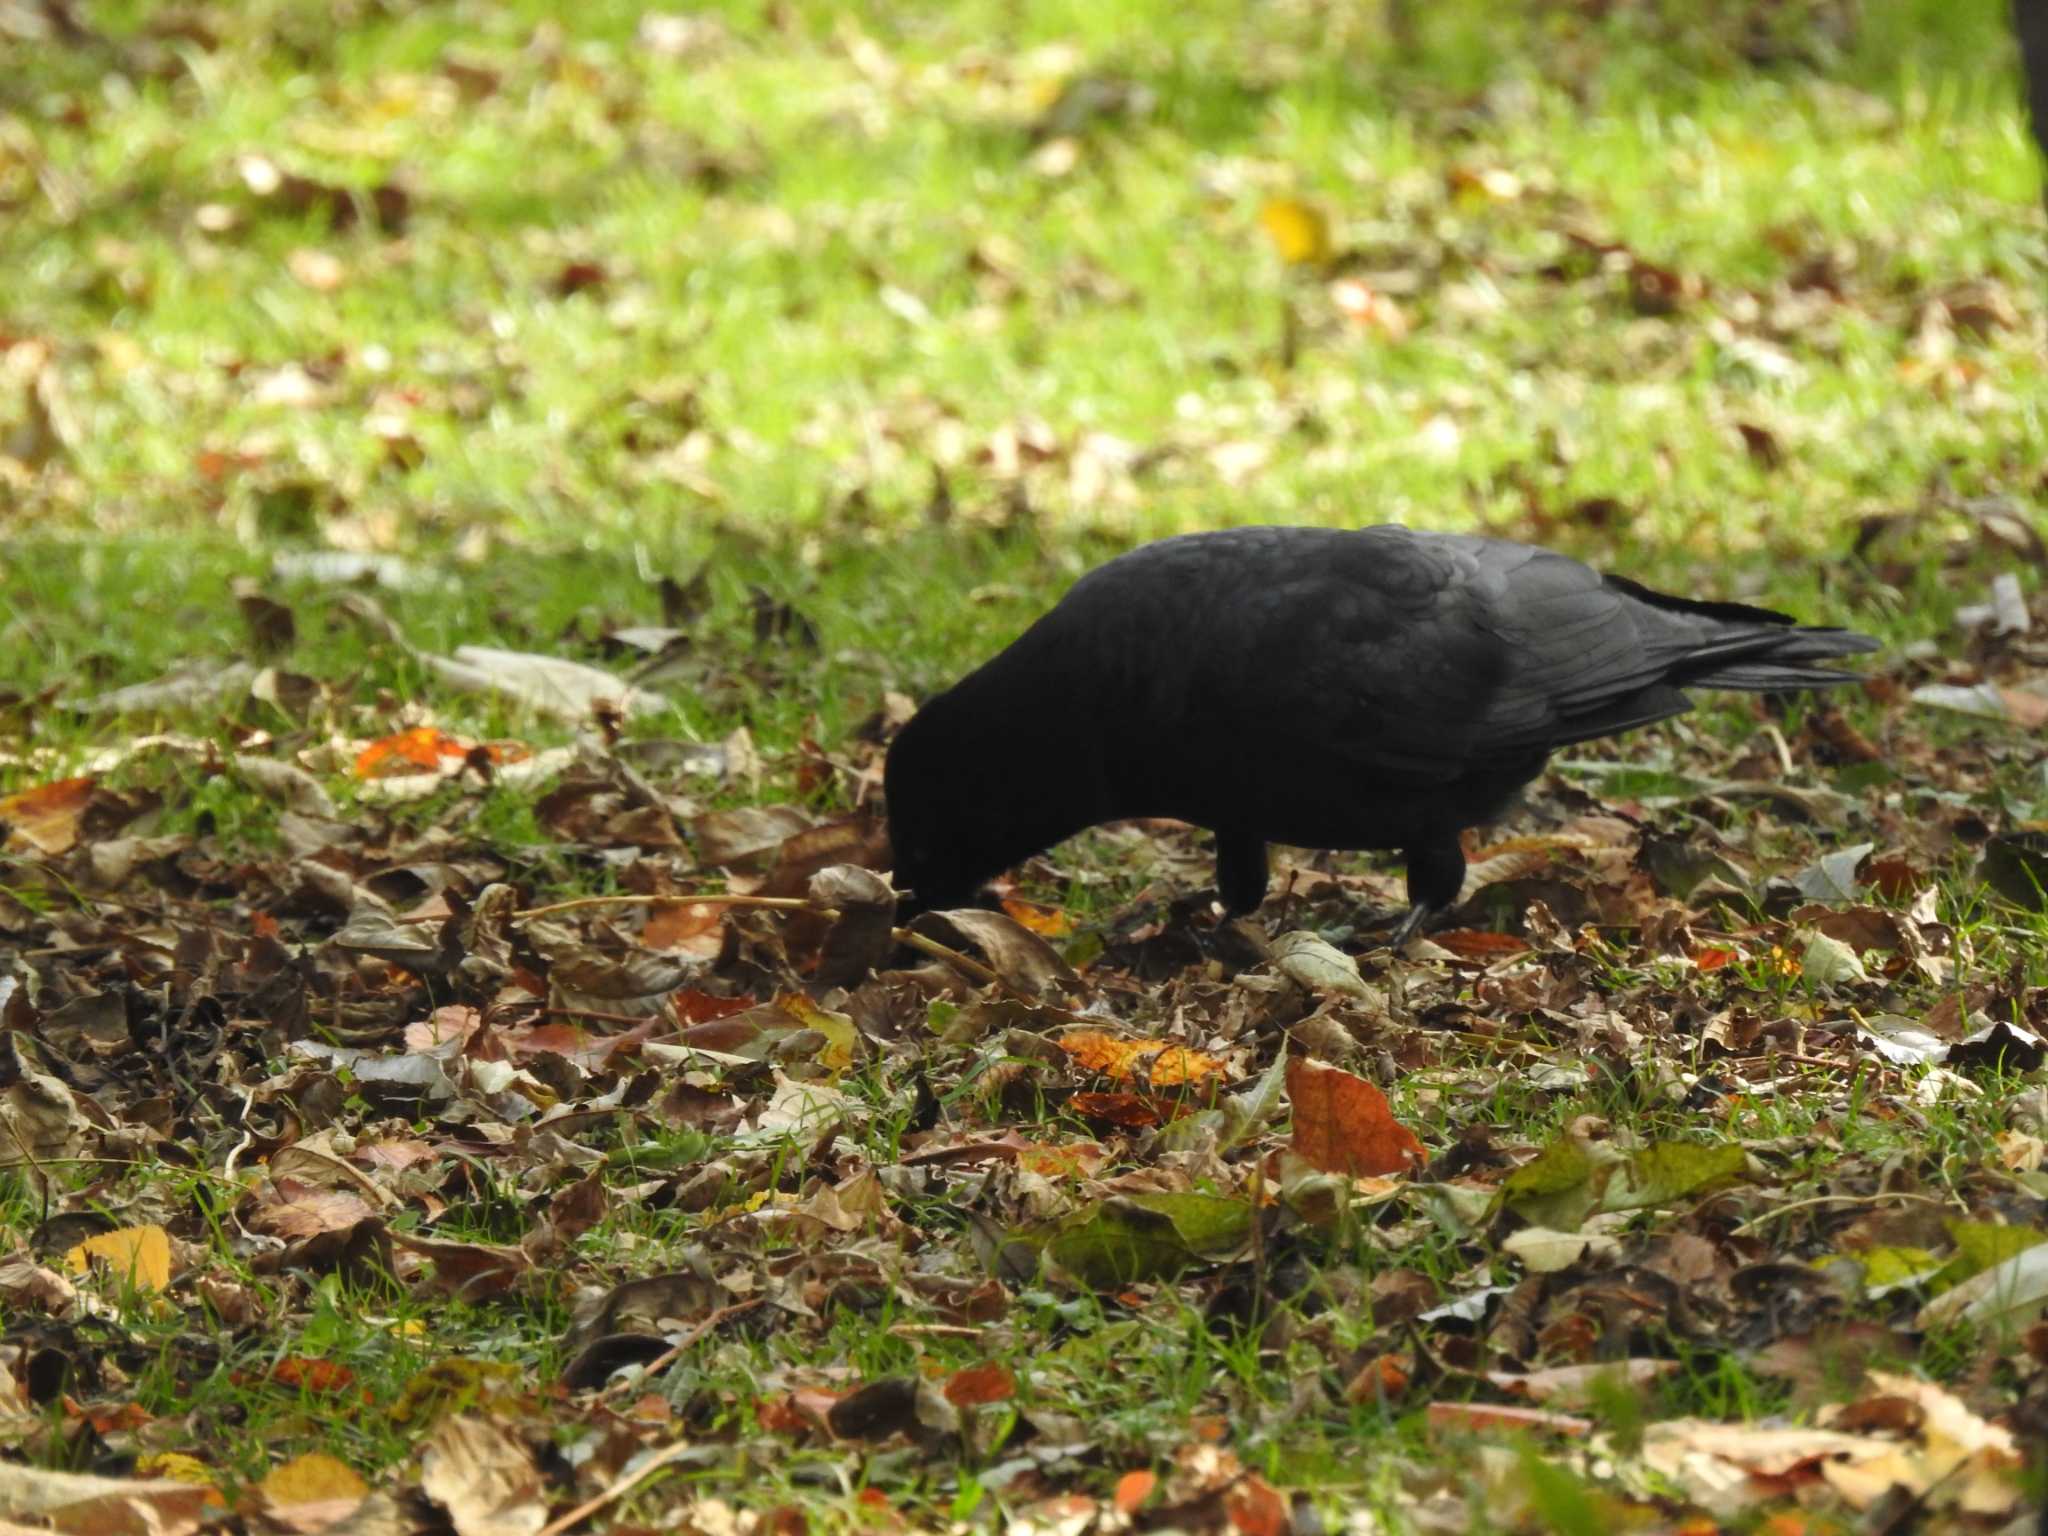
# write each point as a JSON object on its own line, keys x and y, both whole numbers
{"x": 1410, "y": 924}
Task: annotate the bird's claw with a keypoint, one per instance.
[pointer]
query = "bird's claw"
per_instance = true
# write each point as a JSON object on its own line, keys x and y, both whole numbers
{"x": 1411, "y": 923}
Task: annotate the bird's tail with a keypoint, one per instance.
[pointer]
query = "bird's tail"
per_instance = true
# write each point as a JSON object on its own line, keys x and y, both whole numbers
{"x": 1780, "y": 660}
{"x": 1758, "y": 650}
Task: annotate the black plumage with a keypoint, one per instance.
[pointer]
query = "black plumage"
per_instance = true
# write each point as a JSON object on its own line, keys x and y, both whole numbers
{"x": 1328, "y": 688}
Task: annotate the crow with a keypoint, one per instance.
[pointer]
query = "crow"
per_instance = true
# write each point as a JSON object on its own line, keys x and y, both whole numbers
{"x": 1371, "y": 688}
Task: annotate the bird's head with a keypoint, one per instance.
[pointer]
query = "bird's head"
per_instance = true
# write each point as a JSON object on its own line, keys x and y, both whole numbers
{"x": 986, "y": 774}
{"x": 939, "y": 838}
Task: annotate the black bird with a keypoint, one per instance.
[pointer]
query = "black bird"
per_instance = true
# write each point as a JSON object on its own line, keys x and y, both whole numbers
{"x": 1328, "y": 688}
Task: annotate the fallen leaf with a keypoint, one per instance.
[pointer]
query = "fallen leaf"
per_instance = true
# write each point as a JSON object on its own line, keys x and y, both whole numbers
{"x": 1477, "y": 1418}
{"x": 480, "y": 1472}
{"x": 1159, "y": 1062}
{"x": 1299, "y": 230}
{"x": 312, "y": 1491}
{"x": 1312, "y": 962}
{"x": 1133, "y": 1489}
{"x": 975, "y": 1386}
{"x": 1343, "y": 1124}
{"x": 134, "y": 1256}
{"x": 47, "y": 817}
{"x": 320, "y": 271}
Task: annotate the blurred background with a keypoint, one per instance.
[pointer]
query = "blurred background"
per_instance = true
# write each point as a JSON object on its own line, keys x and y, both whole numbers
{"x": 1656, "y": 280}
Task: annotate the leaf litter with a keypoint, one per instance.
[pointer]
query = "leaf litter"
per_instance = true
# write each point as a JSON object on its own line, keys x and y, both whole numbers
{"x": 795, "y": 1188}
{"x": 350, "y": 1040}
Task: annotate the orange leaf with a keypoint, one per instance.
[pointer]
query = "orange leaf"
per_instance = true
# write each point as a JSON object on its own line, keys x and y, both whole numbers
{"x": 1343, "y": 1124}
{"x": 1074, "y": 1160}
{"x": 1476, "y": 944}
{"x": 1158, "y": 1061}
{"x": 47, "y": 816}
{"x": 1256, "y": 1507}
{"x": 1381, "y": 1379}
{"x": 1126, "y": 1109}
{"x": 420, "y": 749}
{"x": 1133, "y": 1489}
{"x": 975, "y": 1385}
{"x": 112, "y": 1418}
{"x": 1481, "y": 1416}
{"x": 312, "y": 1375}
{"x": 692, "y": 926}
{"x": 779, "y": 1415}
{"x": 1046, "y": 922}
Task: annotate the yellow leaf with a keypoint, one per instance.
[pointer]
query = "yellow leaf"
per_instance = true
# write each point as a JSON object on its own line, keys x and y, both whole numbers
{"x": 837, "y": 1028}
{"x": 177, "y": 1467}
{"x": 1046, "y": 922}
{"x": 1299, "y": 231}
{"x": 1160, "y": 1062}
{"x": 314, "y": 1478}
{"x": 139, "y": 1255}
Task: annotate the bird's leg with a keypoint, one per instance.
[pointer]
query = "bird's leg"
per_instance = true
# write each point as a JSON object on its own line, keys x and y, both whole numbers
{"x": 1241, "y": 871}
{"x": 1418, "y": 913}
{"x": 1436, "y": 873}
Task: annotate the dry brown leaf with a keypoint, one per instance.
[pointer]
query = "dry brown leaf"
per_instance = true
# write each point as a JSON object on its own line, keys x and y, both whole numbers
{"x": 1343, "y": 1124}
{"x": 1021, "y": 958}
{"x": 290, "y": 1208}
{"x": 311, "y": 1492}
{"x": 84, "y": 1505}
{"x": 46, "y": 818}
{"x": 480, "y": 1471}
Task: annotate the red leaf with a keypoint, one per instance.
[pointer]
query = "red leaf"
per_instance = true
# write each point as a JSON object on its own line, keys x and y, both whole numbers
{"x": 975, "y": 1385}
{"x": 1125, "y": 1109}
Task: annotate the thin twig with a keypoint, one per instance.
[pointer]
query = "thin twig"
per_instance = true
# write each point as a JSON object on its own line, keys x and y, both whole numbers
{"x": 663, "y": 1361}
{"x": 624, "y": 1485}
{"x": 248, "y": 1136}
{"x": 710, "y": 898}
{"x": 1258, "y": 1232}
{"x": 603, "y": 1018}
{"x": 966, "y": 964}
{"x": 953, "y": 957}
{"x": 1888, "y": 1194}
{"x": 935, "y": 1331}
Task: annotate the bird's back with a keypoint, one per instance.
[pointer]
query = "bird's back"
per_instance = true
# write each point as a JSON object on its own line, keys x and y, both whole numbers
{"x": 1305, "y": 676}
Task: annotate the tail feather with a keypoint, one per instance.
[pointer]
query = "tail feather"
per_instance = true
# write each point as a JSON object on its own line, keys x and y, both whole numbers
{"x": 1769, "y": 677}
{"x": 1772, "y": 660}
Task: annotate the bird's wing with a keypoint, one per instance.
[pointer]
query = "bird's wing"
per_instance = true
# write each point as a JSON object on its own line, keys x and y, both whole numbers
{"x": 1378, "y": 646}
{"x": 1417, "y": 658}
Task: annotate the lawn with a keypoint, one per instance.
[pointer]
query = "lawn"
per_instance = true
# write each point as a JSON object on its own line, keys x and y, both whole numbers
{"x": 761, "y": 369}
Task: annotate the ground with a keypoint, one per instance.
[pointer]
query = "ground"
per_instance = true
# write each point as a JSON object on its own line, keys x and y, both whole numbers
{"x": 771, "y": 365}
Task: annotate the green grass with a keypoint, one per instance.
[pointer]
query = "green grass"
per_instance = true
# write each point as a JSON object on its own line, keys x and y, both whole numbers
{"x": 827, "y": 277}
